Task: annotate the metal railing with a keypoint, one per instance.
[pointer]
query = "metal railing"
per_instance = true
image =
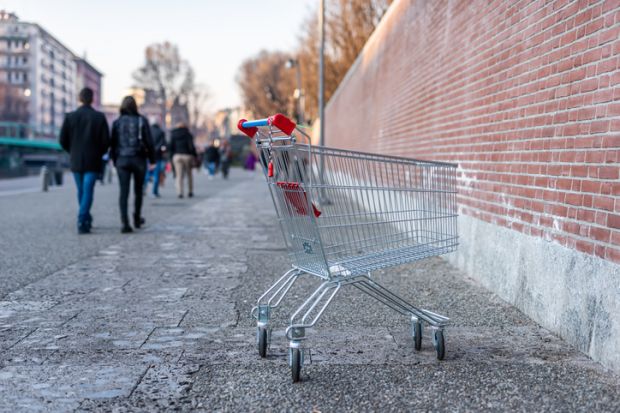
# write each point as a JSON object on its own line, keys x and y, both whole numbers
{"x": 28, "y": 135}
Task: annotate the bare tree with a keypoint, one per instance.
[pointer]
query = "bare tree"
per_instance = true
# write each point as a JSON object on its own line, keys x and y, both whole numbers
{"x": 267, "y": 86}
{"x": 349, "y": 24}
{"x": 167, "y": 73}
{"x": 197, "y": 101}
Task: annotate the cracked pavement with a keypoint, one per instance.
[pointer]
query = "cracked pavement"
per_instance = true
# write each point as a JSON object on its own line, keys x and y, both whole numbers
{"x": 159, "y": 320}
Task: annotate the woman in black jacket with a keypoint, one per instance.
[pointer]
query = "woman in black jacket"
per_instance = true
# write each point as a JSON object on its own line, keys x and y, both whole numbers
{"x": 131, "y": 145}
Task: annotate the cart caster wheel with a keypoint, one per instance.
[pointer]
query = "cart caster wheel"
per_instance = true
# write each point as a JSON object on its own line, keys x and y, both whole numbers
{"x": 439, "y": 344}
{"x": 262, "y": 341}
{"x": 417, "y": 335}
{"x": 295, "y": 364}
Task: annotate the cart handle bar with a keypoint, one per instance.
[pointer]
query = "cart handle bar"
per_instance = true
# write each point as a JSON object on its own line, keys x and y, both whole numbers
{"x": 250, "y": 127}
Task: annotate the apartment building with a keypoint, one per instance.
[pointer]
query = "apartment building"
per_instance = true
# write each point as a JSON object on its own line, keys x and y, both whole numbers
{"x": 42, "y": 72}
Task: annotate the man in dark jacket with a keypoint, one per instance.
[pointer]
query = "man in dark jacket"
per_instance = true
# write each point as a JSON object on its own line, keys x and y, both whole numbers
{"x": 212, "y": 159}
{"x": 86, "y": 136}
{"x": 183, "y": 153}
{"x": 159, "y": 142}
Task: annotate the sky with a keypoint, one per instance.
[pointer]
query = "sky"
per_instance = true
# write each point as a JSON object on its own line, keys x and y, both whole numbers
{"x": 215, "y": 36}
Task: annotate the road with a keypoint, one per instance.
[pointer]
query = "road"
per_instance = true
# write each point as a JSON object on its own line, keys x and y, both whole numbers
{"x": 22, "y": 185}
{"x": 39, "y": 232}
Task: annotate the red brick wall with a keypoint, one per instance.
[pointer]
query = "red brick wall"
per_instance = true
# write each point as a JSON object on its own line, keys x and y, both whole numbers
{"x": 523, "y": 95}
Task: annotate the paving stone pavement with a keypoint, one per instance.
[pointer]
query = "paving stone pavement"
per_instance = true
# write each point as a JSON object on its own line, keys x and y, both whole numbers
{"x": 160, "y": 321}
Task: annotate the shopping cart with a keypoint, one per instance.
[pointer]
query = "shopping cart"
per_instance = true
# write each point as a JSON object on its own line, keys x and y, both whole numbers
{"x": 345, "y": 214}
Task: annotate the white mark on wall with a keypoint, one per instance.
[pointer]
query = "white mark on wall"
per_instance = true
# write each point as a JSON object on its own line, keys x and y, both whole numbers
{"x": 463, "y": 178}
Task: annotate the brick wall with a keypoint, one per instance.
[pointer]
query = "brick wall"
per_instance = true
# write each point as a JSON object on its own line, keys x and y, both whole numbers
{"x": 523, "y": 95}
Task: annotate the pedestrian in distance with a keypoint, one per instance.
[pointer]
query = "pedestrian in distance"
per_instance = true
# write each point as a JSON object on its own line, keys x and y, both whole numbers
{"x": 159, "y": 142}
{"x": 212, "y": 158}
{"x": 131, "y": 146}
{"x": 225, "y": 157}
{"x": 250, "y": 161}
{"x": 104, "y": 164}
{"x": 183, "y": 154}
{"x": 86, "y": 136}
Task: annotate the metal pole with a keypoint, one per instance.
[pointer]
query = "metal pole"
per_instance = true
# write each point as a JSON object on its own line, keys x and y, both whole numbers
{"x": 322, "y": 73}
{"x": 300, "y": 110}
{"x": 323, "y": 198}
{"x": 45, "y": 178}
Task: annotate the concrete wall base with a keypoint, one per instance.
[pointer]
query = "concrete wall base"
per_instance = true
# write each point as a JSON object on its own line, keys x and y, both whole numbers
{"x": 572, "y": 294}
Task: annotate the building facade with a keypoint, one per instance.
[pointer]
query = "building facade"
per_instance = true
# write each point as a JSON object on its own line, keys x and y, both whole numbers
{"x": 88, "y": 76}
{"x": 111, "y": 112}
{"x": 42, "y": 72}
{"x": 524, "y": 96}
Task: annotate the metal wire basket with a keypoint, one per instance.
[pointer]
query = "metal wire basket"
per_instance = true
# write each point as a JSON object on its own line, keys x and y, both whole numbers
{"x": 345, "y": 214}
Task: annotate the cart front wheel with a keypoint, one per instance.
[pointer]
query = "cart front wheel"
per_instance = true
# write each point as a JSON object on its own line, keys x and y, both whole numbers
{"x": 296, "y": 364}
{"x": 417, "y": 335}
{"x": 439, "y": 344}
{"x": 262, "y": 341}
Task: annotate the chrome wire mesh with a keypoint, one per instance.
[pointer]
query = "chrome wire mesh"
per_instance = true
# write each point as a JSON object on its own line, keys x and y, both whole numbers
{"x": 346, "y": 213}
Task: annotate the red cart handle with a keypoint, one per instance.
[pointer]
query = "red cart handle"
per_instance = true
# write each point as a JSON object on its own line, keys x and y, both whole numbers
{"x": 251, "y": 131}
{"x": 250, "y": 127}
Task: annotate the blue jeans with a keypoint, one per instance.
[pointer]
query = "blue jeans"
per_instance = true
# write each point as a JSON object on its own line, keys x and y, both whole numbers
{"x": 211, "y": 166}
{"x": 154, "y": 175}
{"x": 159, "y": 166}
{"x": 85, "y": 182}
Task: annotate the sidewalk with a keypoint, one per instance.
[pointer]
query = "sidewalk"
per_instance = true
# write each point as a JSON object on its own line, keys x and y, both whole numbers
{"x": 160, "y": 320}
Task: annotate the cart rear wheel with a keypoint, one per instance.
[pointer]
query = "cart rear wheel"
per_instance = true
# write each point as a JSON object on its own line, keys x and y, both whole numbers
{"x": 296, "y": 364}
{"x": 417, "y": 335}
{"x": 262, "y": 341}
{"x": 439, "y": 344}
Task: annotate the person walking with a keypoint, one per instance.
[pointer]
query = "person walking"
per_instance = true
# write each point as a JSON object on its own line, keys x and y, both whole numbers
{"x": 212, "y": 158}
{"x": 131, "y": 146}
{"x": 250, "y": 161}
{"x": 183, "y": 153}
{"x": 86, "y": 136}
{"x": 104, "y": 164}
{"x": 159, "y": 142}
{"x": 225, "y": 157}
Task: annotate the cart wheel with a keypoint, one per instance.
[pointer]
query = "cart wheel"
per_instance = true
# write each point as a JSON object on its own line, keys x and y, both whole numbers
{"x": 439, "y": 344}
{"x": 262, "y": 341}
{"x": 296, "y": 364}
{"x": 417, "y": 335}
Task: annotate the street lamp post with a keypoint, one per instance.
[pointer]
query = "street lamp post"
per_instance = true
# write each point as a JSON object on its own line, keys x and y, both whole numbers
{"x": 322, "y": 73}
{"x": 299, "y": 96}
{"x": 323, "y": 199}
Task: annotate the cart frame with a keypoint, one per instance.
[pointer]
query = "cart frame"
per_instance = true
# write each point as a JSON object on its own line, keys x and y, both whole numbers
{"x": 372, "y": 222}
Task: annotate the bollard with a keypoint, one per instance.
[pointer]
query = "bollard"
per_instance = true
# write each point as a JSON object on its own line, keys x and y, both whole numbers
{"x": 44, "y": 178}
{"x": 58, "y": 177}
